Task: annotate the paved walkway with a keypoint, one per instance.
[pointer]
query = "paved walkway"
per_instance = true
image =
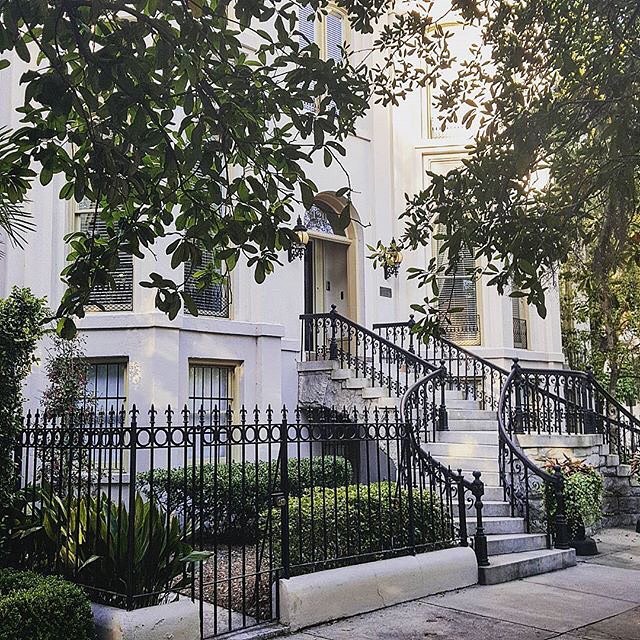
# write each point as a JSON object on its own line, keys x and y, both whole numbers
{"x": 597, "y": 600}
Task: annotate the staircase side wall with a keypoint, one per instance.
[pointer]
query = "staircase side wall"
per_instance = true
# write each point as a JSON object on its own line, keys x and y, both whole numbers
{"x": 621, "y": 499}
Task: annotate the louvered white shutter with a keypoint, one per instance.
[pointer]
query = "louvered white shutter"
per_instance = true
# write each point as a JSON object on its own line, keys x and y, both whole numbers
{"x": 307, "y": 29}
{"x": 306, "y": 26}
{"x": 458, "y": 291}
{"x": 334, "y": 36}
{"x": 212, "y": 300}
{"x": 104, "y": 298}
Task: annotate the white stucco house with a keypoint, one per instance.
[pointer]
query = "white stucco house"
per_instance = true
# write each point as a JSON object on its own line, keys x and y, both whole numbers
{"x": 243, "y": 347}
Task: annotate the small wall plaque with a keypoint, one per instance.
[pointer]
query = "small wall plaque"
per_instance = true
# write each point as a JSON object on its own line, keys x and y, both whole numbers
{"x": 385, "y": 292}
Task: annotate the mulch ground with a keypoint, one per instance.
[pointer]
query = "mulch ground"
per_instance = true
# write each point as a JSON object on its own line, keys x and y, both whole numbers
{"x": 230, "y": 581}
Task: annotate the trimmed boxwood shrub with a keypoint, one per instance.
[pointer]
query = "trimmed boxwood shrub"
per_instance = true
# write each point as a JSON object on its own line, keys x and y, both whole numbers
{"x": 35, "y": 607}
{"x": 231, "y": 496}
{"x": 331, "y": 526}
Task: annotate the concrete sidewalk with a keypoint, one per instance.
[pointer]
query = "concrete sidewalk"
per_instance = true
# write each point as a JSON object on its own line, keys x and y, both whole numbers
{"x": 597, "y": 600}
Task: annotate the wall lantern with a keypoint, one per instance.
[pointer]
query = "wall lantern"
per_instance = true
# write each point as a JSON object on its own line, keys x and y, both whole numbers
{"x": 392, "y": 260}
{"x": 299, "y": 246}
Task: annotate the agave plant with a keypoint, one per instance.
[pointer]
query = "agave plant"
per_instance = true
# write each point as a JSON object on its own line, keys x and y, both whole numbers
{"x": 94, "y": 540}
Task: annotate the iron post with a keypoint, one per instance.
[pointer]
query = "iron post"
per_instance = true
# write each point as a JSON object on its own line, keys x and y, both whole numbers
{"x": 443, "y": 419}
{"x": 479, "y": 538}
{"x": 562, "y": 528}
{"x": 333, "y": 344}
{"x": 462, "y": 511}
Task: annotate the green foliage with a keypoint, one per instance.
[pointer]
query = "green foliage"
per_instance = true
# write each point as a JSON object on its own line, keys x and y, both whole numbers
{"x": 231, "y": 497}
{"x": 21, "y": 317}
{"x": 583, "y": 488}
{"x": 553, "y": 170}
{"x": 328, "y": 525}
{"x": 88, "y": 540}
{"x": 34, "y": 607}
{"x": 635, "y": 465}
{"x": 67, "y": 370}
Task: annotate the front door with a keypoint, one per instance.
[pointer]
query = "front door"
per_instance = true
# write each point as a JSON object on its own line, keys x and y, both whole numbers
{"x": 326, "y": 277}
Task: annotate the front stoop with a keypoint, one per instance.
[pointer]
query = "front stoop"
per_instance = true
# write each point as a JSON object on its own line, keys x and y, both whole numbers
{"x": 514, "y": 566}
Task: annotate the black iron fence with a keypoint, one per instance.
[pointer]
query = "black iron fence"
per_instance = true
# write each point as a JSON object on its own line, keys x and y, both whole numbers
{"x": 141, "y": 508}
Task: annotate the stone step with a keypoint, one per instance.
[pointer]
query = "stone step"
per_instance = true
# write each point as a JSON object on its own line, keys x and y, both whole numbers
{"x": 514, "y": 566}
{"x": 356, "y": 383}
{"x": 490, "y": 492}
{"x": 515, "y": 543}
{"x": 471, "y": 414}
{"x": 465, "y": 463}
{"x": 453, "y": 394}
{"x": 496, "y": 525}
{"x": 494, "y": 509}
{"x": 468, "y": 437}
{"x": 342, "y": 374}
{"x": 463, "y": 450}
{"x": 388, "y": 403}
{"x": 467, "y": 405}
{"x": 473, "y": 425}
{"x": 374, "y": 393}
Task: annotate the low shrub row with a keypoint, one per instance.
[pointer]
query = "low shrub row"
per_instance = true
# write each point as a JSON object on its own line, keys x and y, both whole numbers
{"x": 230, "y": 497}
{"x": 332, "y": 527}
{"x": 35, "y": 607}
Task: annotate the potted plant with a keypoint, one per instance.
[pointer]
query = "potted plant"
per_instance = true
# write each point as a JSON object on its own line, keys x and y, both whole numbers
{"x": 583, "y": 488}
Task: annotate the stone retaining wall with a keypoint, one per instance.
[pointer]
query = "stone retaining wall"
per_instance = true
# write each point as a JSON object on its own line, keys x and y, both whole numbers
{"x": 621, "y": 500}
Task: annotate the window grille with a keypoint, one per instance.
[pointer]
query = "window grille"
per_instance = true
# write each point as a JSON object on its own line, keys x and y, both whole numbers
{"x": 106, "y": 389}
{"x": 209, "y": 391}
{"x": 103, "y": 298}
{"x": 212, "y": 300}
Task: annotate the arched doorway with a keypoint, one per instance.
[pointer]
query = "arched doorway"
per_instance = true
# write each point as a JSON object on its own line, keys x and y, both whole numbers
{"x": 330, "y": 260}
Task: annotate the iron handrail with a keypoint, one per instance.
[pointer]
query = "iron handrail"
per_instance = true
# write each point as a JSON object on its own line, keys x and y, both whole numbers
{"x": 476, "y": 487}
{"x": 412, "y": 357}
{"x": 450, "y": 345}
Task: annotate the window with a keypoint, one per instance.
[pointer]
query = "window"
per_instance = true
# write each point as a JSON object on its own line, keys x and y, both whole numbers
{"x": 212, "y": 300}
{"x": 104, "y": 298}
{"x": 460, "y": 42}
{"x": 519, "y": 308}
{"x": 323, "y": 220}
{"x": 329, "y": 33}
{"x": 458, "y": 291}
{"x": 209, "y": 390}
{"x": 106, "y": 389}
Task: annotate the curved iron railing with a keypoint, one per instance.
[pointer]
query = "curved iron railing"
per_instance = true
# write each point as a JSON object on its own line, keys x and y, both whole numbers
{"x": 420, "y": 412}
{"x": 477, "y": 378}
{"x": 331, "y": 336}
{"x": 524, "y": 482}
{"x": 566, "y": 402}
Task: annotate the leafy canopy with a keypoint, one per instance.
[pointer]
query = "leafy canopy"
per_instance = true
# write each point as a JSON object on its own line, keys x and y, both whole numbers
{"x": 182, "y": 121}
{"x": 552, "y": 88}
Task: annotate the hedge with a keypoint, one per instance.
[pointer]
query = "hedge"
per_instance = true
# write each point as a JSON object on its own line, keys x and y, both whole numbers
{"x": 332, "y": 526}
{"x": 35, "y": 607}
{"x": 231, "y": 496}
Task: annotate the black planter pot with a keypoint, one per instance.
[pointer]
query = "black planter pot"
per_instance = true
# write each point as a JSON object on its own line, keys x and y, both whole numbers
{"x": 584, "y": 546}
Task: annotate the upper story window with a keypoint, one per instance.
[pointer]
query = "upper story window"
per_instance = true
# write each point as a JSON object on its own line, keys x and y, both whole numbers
{"x": 458, "y": 299}
{"x": 329, "y": 31}
{"x": 461, "y": 42}
{"x": 212, "y": 300}
{"x": 105, "y": 298}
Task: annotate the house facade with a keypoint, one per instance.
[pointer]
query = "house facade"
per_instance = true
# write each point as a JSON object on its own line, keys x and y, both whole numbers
{"x": 244, "y": 345}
